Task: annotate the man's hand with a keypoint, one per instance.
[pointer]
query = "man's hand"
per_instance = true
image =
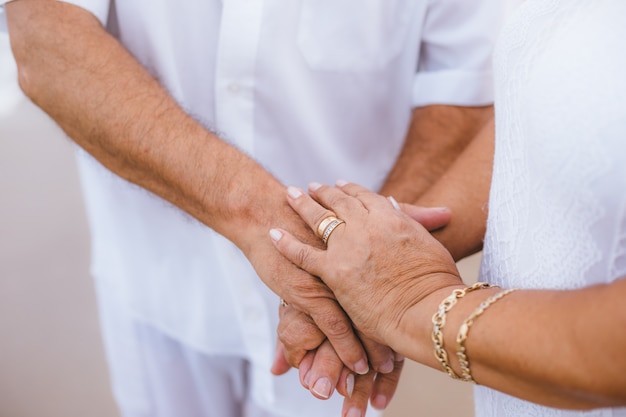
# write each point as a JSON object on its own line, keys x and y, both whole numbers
{"x": 115, "y": 110}
{"x": 322, "y": 372}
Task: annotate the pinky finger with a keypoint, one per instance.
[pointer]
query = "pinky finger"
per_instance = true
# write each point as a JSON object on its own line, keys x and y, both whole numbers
{"x": 385, "y": 386}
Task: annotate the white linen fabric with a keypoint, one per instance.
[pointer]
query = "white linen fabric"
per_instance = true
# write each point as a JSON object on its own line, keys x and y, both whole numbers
{"x": 285, "y": 81}
{"x": 557, "y": 212}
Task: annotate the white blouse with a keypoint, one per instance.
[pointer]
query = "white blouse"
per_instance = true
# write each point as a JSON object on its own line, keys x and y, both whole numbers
{"x": 557, "y": 212}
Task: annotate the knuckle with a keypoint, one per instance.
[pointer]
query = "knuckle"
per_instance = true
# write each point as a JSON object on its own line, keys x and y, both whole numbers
{"x": 298, "y": 332}
{"x": 302, "y": 256}
{"x": 294, "y": 357}
{"x": 337, "y": 200}
{"x": 336, "y": 326}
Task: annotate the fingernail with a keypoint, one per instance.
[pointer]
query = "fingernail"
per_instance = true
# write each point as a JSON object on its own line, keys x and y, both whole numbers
{"x": 307, "y": 376}
{"x": 314, "y": 186}
{"x": 294, "y": 192}
{"x": 441, "y": 208}
{"x": 394, "y": 203}
{"x": 361, "y": 367}
{"x": 341, "y": 183}
{"x": 354, "y": 412}
{"x": 387, "y": 366}
{"x": 399, "y": 357}
{"x": 379, "y": 402}
{"x": 276, "y": 235}
{"x": 350, "y": 384}
{"x": 323, "y": 387}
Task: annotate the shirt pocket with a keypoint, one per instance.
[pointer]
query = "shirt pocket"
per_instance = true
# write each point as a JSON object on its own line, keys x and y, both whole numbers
{"x": 353, "y": 35}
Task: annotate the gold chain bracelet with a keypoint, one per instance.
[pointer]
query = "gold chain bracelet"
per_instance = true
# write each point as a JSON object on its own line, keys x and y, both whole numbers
{"x": 439, "y": 321}
{"x": 466, "y": 373}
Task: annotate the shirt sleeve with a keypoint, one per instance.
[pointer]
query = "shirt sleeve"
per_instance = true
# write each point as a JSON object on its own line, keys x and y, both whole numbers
{"x": 3, "y": 18}
{"x": 99, "y": 8}
{"x": 455, "y": 56}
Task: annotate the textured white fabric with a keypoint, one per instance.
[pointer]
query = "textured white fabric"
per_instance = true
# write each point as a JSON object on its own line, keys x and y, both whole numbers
{"x": 557, "y": 213}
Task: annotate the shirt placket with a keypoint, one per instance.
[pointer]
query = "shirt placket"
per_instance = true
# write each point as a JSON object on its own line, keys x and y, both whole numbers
{"x": 236, "y": 64}
{"x": 235, "y": 87}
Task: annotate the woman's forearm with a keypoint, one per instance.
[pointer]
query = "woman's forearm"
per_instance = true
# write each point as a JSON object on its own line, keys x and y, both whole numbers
{"x": 562, "y": 349}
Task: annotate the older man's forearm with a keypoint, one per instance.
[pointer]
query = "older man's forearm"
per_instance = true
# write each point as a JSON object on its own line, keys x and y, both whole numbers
{"x": 115, "y": 110}
{"x": 464, "y": 188}
{"x": 438, "y": 134}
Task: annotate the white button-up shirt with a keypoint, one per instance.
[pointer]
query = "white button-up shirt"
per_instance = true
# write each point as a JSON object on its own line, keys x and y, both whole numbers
{"x": 315, "y": 90}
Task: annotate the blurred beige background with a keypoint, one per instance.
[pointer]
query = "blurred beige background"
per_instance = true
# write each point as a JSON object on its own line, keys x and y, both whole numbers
{"x": 51, "y": 357}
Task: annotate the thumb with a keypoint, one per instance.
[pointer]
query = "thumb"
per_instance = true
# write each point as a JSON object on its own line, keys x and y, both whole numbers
{"x": 432, "y": 218}
{"x": 280, "y": 365}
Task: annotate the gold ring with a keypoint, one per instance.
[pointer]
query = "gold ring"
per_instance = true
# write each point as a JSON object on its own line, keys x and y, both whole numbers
{"x": 324, "y": 224}
{"x": 329, "y": 229}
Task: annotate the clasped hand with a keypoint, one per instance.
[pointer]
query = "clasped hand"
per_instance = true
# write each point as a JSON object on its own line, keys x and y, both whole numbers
{"x": 378, "y": 264}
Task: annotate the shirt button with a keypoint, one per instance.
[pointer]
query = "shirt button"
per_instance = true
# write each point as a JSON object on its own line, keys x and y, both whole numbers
{"x": 234, "y": 88}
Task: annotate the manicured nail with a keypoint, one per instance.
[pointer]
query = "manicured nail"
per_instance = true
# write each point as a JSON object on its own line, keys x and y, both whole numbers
{"x": 350, "y": 384}
{"x": 394, "y": 203}
{"x": 341, "y": 183}
{"x": 361, "y": 367}
{"x": 276, "y": 235}
{"x": 441, "y": 208}
{"x": 294, "y": 192}
{"x": 314, "y": 186}
{"x": 380, "y": 402}
{"x": 307, "y": 377}
{"x": 323, "y": 387}
{"x": 354, "y": 412}
{"x": 387, "y": 366}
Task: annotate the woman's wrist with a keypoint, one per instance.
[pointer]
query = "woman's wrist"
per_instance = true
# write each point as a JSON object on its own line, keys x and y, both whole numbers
{"x": 415, "y": 336}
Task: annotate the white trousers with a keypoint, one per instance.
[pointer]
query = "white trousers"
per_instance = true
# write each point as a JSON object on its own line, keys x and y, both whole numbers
{"x": 154, "y": 375}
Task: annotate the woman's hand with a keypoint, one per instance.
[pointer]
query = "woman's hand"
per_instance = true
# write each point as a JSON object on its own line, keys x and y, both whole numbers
{"x": 379, "y": 263}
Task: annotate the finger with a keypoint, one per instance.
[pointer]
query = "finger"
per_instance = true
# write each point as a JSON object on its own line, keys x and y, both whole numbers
{"x": 385, "y": 386}
{"x": 340, "y": 333}
{"x": 304, "y": 371}
{"x": 302, "y": 255}
{"x": 311, "y": 212}
{"x": 381, "y": 357}
{"x": 334, "y": 199}
{"x": 356, "y": 405}
{"x": 325, "y": 372}
{"x": 367, "y": 197}
{"x": 298, "y": 334}
{"x": 432, "y": 218}
{"x": 280, "y": 365}
{"x": 345, "y": 385}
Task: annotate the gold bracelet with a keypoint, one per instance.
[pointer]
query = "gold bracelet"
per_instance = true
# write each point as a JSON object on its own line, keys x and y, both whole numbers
{"x": 466, "y": 373}
{"x": 439, "y": 321}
